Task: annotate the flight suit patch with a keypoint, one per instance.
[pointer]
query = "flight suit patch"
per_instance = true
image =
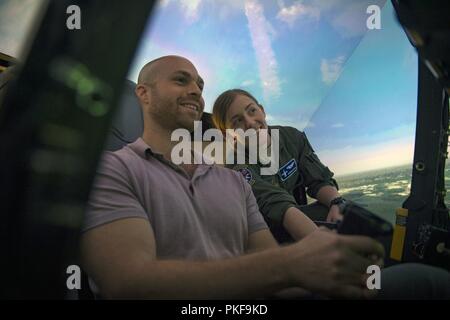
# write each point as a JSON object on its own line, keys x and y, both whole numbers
{"x": 288, "y": 169}
{"x": 247, "y": 174}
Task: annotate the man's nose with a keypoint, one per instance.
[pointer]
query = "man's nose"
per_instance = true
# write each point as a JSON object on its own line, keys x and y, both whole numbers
{"x": 194, "y": 90}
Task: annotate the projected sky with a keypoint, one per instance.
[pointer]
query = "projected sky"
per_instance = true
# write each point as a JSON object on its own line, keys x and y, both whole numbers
{"x": 313, "y": 64}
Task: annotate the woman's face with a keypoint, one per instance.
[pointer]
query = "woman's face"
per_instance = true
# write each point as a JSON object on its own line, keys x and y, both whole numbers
{"x": 245, "y": 114}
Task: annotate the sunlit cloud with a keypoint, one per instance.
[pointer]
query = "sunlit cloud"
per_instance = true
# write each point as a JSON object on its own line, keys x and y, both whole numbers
{"x": 226, "y": 9}
{"x": 288, "y": 121}
{"x": 260, "y": 34}
{"x": 331, "y": 69}
{"x": 338, "y": 125}
{"x": 247, "y": 83}
{"x": 191, "y": 9}
{"x": 163, "y": 3}
{"x": 290, "y": 14}
{"x": 351, "y": 22}
{"x": 348, "y": 18}
{"x": 310, "y": 124}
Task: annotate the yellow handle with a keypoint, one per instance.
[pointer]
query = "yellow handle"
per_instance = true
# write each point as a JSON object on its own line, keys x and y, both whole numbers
{"x": 398, "y": 238}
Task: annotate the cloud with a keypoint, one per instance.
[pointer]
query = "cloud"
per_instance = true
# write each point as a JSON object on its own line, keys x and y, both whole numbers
{"x": 191, "y": 9}
{"x": 351, "y": 21}
{"x": 349, "y": 18}
{"x": 310, "y": 124}
{"x": 297, "y": 10}
{"x": 247, "y": 83}
{"x": 260, "y": 30}
{"x": 226, "y": 9}
{"x": 331, "y": 69}
{"x": 289, "y": 121}
{"x": 338, "y": 125}
{"x": 163, "y": 3}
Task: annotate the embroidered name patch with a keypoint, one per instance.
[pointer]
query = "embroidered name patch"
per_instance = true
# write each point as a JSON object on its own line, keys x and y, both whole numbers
{"x": 288, "y": 169}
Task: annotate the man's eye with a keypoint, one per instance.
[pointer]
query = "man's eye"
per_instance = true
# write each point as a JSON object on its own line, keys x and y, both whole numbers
{"x": 252, "y": 110}
{"x": 180, "y": 80}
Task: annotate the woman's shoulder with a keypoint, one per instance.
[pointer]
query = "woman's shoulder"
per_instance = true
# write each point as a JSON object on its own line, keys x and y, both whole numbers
{"x": 289, "y": 132}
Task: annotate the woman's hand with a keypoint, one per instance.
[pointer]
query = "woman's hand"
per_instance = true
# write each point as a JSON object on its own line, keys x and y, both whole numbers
{"x": 334, "y": 215}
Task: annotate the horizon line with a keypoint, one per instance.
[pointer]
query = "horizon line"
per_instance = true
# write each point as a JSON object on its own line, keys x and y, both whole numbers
{"x": 372, "y": 170}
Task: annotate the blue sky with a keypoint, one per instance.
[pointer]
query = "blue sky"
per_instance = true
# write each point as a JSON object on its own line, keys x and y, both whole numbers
{"x": 313, "y": 64}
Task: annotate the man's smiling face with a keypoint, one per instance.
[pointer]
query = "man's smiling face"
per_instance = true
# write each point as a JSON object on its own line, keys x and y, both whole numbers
{"x": 174, "y": 93}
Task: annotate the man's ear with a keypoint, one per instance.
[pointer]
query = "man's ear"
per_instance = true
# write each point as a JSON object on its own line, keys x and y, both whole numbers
{"x": 141, "y": 93}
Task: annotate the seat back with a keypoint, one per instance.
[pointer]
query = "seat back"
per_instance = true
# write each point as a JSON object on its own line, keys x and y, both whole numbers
{"x": 128, "y": 123}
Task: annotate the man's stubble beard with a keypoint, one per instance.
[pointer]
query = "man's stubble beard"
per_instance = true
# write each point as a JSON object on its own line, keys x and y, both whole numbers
{"x": 165, "y": 113}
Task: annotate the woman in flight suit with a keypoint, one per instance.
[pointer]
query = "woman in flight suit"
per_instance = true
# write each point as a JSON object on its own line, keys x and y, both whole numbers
{"x": 279, "y": 196}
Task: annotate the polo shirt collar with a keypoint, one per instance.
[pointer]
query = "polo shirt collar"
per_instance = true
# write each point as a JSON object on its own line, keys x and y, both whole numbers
{"x": 141, "y": 148}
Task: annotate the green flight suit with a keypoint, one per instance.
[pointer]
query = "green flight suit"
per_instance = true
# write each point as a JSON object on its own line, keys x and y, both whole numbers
{"x": 298, "y": 166}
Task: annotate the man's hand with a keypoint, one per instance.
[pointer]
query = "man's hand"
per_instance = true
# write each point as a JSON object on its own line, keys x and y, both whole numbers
{"x": 334, "y": 265}
{"x": 334, "y": 215}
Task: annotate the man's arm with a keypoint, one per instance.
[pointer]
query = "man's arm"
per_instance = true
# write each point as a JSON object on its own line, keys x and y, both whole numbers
{"x": 261, "y": 240}
{"x": 121, "y": 258}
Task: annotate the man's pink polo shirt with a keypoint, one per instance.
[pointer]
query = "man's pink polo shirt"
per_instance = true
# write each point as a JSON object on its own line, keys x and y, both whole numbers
{"x": 208, "y": 216}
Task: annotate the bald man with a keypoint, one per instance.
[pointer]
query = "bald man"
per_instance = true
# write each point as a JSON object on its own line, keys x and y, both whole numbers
{"x": 154, "y": 229}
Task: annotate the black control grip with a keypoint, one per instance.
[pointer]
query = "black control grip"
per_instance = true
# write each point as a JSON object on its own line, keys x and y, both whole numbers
{"x": 360, "y": 221}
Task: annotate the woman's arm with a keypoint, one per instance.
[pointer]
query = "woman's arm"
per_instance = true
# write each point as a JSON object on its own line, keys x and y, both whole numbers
{"x": 297, "y": 224}
{"x": 324, "y": 196}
